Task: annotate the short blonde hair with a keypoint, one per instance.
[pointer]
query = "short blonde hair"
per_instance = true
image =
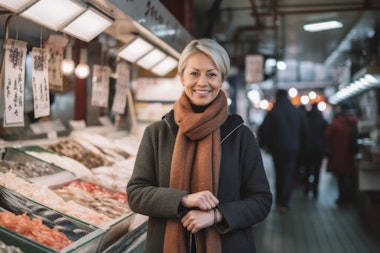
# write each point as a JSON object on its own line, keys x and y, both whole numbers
{"x": 209, "y": 47}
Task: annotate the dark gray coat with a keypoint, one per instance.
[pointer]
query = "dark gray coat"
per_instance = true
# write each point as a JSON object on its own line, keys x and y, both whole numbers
{"x": 244, "y": 194}
{"x": 284, "y": 128}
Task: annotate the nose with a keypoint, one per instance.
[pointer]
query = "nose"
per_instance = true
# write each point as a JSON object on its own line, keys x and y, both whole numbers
{"x": 202, "y": 79}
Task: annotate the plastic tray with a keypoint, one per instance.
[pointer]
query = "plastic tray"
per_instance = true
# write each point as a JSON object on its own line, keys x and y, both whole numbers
{"x": 60, "y": 175}
{"x": 127, "y": 240}
{"x": 115, "y": 229}
{"x": 88, "y": 243}
{"x": 25, "y": 244}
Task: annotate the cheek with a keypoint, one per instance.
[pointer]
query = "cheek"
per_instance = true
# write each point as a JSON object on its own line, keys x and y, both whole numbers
{"x": 217, "y": 84}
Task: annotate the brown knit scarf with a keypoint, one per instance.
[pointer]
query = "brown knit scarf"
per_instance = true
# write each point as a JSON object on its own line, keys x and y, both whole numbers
{"x": 195, "y": 166}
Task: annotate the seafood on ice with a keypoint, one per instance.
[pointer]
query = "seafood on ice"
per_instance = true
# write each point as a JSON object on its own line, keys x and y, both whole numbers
{"x": 42, "y": 194}
{"x": 34, "y": 229}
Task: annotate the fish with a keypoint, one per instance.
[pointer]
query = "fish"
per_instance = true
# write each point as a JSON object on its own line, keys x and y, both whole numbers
{"x": 50, "y": 218}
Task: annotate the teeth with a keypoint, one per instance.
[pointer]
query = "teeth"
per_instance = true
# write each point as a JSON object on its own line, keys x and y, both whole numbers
{"x": 202, "y": 91}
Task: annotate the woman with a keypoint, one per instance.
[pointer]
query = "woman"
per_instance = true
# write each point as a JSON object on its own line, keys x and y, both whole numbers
{"x": 341, "y": 161}
{"x": 198, "y": 173}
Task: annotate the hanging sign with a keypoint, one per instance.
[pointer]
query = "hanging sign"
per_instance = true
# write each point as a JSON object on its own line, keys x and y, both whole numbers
{"x": 254, "y": 68}
{"x": 40, "y": 84}
{"x": 14, "y": 80}
{"x": 100, "y": 85}
{"x": 55, "y": 46}
{"x": 120, "y": 98}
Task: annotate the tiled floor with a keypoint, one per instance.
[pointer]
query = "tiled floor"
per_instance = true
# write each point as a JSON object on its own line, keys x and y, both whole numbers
{"x": 315, "y": 226}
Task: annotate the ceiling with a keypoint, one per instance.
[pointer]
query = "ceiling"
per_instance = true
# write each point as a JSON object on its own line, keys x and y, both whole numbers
{"x": 274, "y": 28}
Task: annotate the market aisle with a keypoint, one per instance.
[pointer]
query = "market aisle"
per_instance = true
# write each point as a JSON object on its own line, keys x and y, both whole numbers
{"x": 314, "y": 226}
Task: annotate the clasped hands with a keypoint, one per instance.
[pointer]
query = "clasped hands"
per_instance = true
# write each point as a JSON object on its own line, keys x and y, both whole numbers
{"x": 202, "y": 214}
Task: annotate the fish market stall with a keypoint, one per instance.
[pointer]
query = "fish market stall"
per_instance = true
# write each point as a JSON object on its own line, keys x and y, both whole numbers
{"x": 83, "y": 181}
{"x": 46, "y": 229}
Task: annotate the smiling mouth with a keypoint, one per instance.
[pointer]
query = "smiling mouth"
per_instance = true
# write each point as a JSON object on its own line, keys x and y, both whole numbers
{"x": 202, "y": 92}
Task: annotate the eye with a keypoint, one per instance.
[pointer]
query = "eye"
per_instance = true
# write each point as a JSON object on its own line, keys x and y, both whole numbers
{"x": 194, "y": 73}
{"x": 212, "y": 75}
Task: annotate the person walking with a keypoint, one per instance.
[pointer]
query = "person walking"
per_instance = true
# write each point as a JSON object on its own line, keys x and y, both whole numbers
{"x": 283, "y": 133}
{"x": 341, "y": 161}
{"x": 316, "y": 149}
{"x": 199, "y": 173}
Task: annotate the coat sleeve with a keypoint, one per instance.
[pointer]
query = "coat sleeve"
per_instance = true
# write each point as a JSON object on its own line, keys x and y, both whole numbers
{"x": 254, "y": 199}
{"x": 148, "y": 191}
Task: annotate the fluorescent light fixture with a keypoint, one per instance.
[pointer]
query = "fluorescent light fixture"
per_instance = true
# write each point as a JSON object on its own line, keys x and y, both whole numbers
{"x": 135, "y": 50}
{"x": 165, "y": 66}
{"x": 15, "y": 5}
{"x": 365, "y": 79}
{"x": 151, "y": 59}
{"x": 88, "y": 25}
{"x": 317, "y": 27}
{"x": 53, "y": 14}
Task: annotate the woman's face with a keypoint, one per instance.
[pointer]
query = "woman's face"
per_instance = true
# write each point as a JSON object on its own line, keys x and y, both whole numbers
{"x": 201, "y": 79}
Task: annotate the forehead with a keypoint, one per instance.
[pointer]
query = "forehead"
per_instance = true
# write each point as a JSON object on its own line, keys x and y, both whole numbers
{"x": 198, "y": 60}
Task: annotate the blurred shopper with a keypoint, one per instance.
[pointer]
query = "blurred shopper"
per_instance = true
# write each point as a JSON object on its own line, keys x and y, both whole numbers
{"x": 199, "y": 174}
{"x": 341, "y": 161}
{"x": 316, "y": 149}
{"x": 283, "y": 132}
{"x": 301, "y": 170}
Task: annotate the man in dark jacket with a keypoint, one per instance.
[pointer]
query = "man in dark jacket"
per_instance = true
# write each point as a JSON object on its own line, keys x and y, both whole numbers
{"x": 316, "y": 149}
{"x": 283, "y": 133}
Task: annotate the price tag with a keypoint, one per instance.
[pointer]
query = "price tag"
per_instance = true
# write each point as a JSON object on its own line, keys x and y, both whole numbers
{"x": 77, "y": 124}
{"x": 52, "y": 135}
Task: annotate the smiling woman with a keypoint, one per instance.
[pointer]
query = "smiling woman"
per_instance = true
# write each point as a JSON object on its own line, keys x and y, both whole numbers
{"x": 198, "y": 173}
{"x": 201, "y": 75}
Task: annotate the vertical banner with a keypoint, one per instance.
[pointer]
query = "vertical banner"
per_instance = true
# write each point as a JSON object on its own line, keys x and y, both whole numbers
{"x": 14, "y": 82}
{"x": 100, "y": 85}
{"x": 120, "y": 98}
{"x": 40, "y": 83}
{"x": 55, "y": 46}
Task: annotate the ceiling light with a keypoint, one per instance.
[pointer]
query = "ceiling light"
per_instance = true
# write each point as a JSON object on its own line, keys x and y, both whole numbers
{"x": 135, "y": 50}
{"x": 88, "y": 25}
{"x": 365, "y": 79}
{"x": 82, "y": 70}
{"x": 281, "y": 65}
{"x": 15, "y": 5}
{"x": 53, "y": 14}
{"x": 67, "y": 64}
{"x": 322, "y": 26}
{"x": 151, "y": 59}
{"x": 165, "y": 66}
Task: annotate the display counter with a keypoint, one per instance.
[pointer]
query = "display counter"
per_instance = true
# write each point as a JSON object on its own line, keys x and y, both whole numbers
{"x": 369, "y": 184}
{"x": 31, "y": 167}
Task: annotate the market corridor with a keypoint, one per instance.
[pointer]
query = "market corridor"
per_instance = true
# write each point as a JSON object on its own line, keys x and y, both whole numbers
{"x": 314, "y": 226}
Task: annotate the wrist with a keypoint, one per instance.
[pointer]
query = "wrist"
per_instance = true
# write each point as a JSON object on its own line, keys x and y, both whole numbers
{"x": 215, "y": 215}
